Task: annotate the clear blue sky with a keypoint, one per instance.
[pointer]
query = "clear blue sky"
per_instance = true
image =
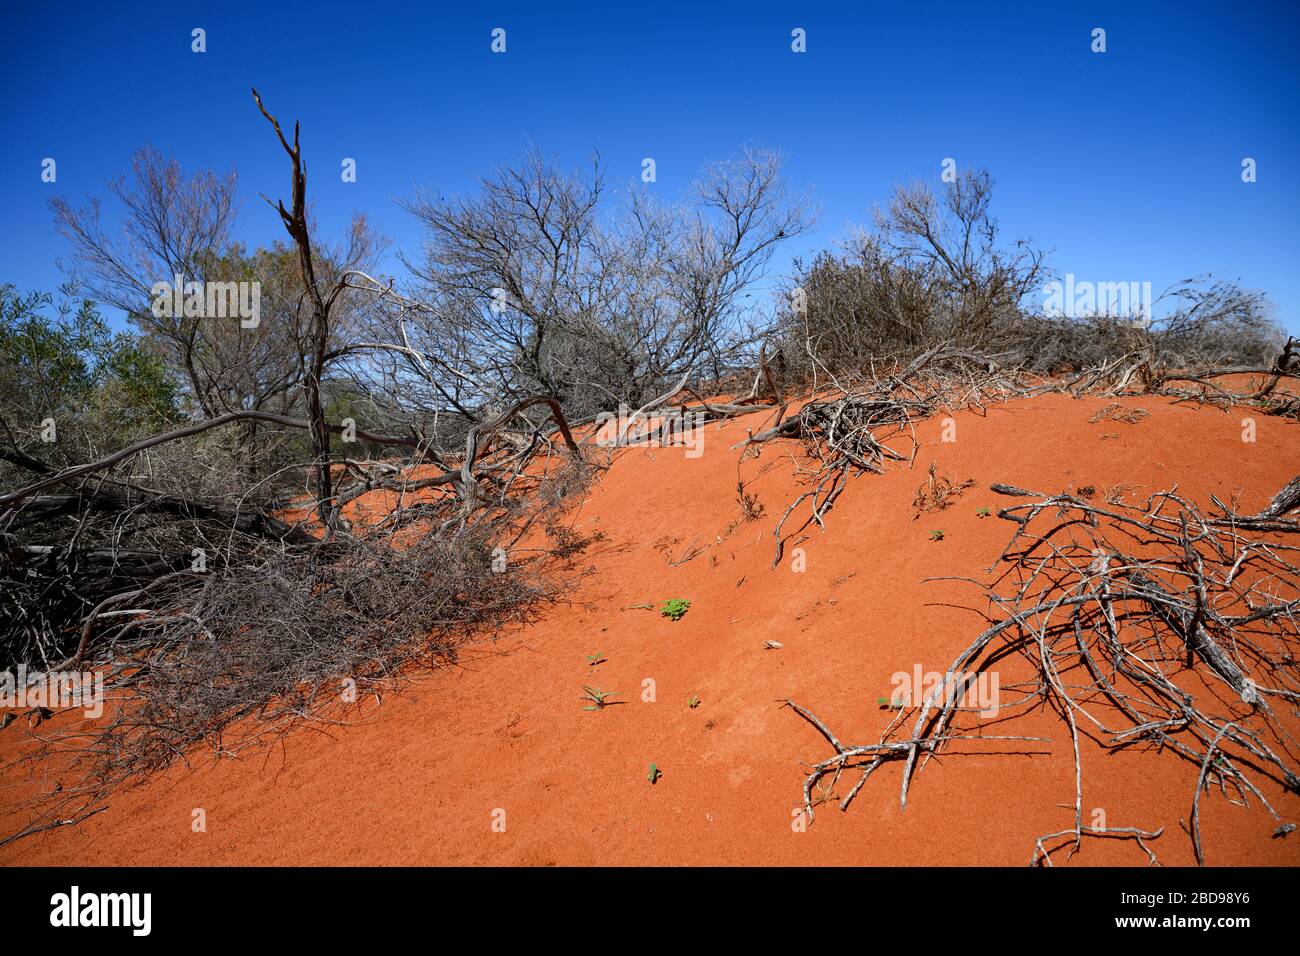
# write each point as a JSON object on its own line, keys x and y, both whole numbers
{"x": 1127, "y": 163}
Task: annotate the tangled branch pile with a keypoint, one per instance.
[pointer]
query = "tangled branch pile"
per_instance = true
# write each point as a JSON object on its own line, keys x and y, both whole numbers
{"x": 287, "y": 636}
{"x": 198, "y": 611}
{"x": 1158, "y": 626}
{"x": 848, "y": 430}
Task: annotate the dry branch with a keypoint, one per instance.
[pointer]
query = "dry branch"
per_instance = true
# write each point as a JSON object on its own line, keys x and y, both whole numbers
{"x": 1128, "y": 617}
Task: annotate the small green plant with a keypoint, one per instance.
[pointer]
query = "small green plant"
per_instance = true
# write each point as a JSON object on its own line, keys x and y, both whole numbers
{"x": 599, "y": 698}
{"x": 936, "y": 535}
{"x": 982, "y": 513}
{"x": 675, "y": 608}
{"x": 886, "y": 702}
{"x": 654, "y": 775}
{"x": 693, "y": 701}
{"x": 594, "y": 659}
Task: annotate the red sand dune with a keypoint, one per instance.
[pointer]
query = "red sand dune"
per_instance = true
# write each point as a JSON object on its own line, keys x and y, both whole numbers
{"x": 418, "y": 779}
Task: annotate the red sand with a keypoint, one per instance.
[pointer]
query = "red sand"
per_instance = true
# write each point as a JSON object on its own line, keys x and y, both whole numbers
{"x": 419, "y": 780}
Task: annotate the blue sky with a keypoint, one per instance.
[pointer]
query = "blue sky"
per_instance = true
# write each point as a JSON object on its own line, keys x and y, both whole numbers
{"x": 1127, "y": 164}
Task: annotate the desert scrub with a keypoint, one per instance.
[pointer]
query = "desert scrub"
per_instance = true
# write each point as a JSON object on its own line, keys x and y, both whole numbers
{"x": 675, "y": 608}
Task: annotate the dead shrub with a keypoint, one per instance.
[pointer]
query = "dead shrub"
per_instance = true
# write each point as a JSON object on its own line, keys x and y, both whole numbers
{"x": 937, "y": 492}
{"x": 750, "y": 506}
{"x": 1115, "y": 412}
{"x": 290, "y": 635}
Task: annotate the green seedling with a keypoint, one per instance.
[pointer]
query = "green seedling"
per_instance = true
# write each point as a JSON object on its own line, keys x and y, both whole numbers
{"x": 982, "y": 513}
{"x": 886, "y": 702}
{"x": 936, "y": 535}
{"x": 654, "y": 775}
{"x": 594, "y": 659}
{"x": 599, "y": 698}
{"x": 692, "y": 702}
{"x": 675, "y": 608}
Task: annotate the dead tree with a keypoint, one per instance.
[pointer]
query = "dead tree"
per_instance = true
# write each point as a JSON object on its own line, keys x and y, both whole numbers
{"x": 322, "y": 302}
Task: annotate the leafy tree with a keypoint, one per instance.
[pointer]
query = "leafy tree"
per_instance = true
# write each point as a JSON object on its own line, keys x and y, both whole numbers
{"x": 60, "y": 362}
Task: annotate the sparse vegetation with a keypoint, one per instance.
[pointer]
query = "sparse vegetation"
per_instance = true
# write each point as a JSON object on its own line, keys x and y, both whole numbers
{"x": 935, "y": 272}
{"x": 231, "y": 526}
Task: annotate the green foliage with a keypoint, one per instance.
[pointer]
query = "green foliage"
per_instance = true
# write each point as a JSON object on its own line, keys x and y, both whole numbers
{"x": 62, "y": 361}
{"x": 982, "y": 513}
{"x": 693, "y": 701}
{"x": 936, "y": 535}
{"x": 654, "y": 774}
{"x": 675, "y": 608}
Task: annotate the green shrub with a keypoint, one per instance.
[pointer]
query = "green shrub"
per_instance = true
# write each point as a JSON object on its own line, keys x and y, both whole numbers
{"x": 675, "y": 608}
